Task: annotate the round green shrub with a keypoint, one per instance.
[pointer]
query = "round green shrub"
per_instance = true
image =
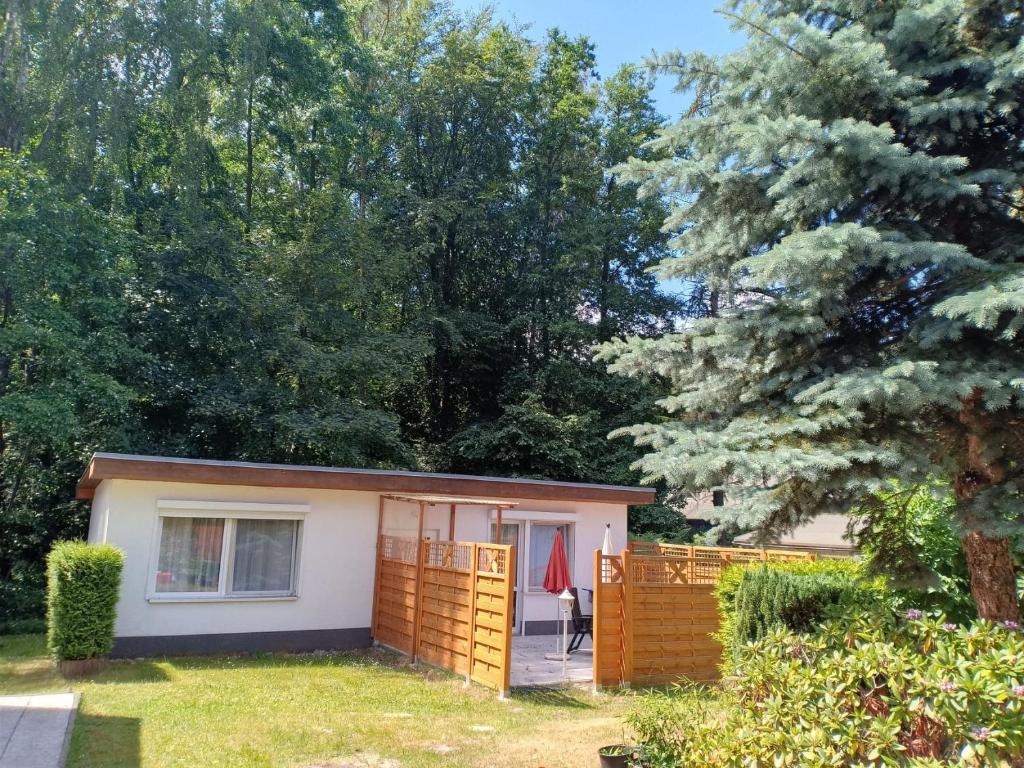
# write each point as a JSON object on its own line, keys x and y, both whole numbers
{"x": 83, "y": 581}
{"x": 862, "y": 691}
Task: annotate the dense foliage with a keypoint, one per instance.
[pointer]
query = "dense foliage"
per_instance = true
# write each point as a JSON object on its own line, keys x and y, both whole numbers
{"x": 83, "y": 581}
{"x": 911, "y": 536}
{"x": 848, "y": 186}
{"x": 768, "y": 599}
{"x": 755, "y": 599}
{"x": 348, "y": 232}
{"x": 864, "y": 690}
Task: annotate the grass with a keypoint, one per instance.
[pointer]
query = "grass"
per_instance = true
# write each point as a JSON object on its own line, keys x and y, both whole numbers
{"x": 360, "y": 709}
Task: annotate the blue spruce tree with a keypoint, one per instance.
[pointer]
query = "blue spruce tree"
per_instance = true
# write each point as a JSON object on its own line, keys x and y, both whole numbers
{"x": 850, "y": 188}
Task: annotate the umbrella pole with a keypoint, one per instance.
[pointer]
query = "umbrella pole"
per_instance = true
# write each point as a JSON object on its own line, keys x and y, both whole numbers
{"x": 558, "y": 639}
{"x": 565, "y": 642}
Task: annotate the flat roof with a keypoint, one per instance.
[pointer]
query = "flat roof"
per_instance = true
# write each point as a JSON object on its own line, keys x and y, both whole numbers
{"x": 825, "y": 531}
{"x": 118, "y": 466}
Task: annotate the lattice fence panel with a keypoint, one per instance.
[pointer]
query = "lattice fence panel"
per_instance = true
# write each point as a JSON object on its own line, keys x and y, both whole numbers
{"x": 448, "y": 603}
{"x": 608, "y": 619}
{"x": 655, "y": 611}
{"x": 394, "y": 614}
{"x": 491, "y": 644}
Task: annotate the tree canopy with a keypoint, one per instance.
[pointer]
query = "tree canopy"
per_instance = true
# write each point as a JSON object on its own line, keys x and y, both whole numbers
{"x": 371, "y": 233}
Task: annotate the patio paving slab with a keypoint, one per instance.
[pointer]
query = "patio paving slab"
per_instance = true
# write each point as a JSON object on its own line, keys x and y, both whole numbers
{"x": 34, "y": 730}
{"x": 530, "y": 667}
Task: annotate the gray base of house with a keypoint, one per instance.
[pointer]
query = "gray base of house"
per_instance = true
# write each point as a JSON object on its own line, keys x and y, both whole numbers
{"x": 545, "y": 627}
{"x": 291, "y": 641}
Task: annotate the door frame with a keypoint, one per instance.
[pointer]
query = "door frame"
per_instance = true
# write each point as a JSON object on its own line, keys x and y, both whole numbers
{"x": 517, "y": 590}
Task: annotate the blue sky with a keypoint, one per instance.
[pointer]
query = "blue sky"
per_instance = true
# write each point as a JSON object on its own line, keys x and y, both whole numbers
{"x": 625, "y": 32}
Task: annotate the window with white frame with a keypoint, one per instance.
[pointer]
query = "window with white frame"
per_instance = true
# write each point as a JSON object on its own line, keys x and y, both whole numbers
{"x": 204, "y": 554}
{"x": 542, "y": 536}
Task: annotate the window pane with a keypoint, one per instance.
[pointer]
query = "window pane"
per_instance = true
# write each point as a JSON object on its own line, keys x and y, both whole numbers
{"x": 509, "y": 533}
{"x": 541, "y": 539}
{"x": 263, "y": 555}
{"x": 190, "y": 552}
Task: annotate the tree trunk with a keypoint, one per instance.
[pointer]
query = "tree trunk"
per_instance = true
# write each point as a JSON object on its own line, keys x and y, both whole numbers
{"x": 993, "y": 581}
{"x": 989, "y": 562}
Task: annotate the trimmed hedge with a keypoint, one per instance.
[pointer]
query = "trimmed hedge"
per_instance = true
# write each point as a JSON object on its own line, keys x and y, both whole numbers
{"x": 83, "y": 581}
{"x": 754, "y": 599}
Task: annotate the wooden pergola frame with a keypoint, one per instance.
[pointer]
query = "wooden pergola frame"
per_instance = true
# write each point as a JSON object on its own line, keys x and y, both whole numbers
{"x": 432, "y": 500}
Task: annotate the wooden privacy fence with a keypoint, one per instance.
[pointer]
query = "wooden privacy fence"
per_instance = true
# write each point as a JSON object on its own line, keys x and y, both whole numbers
{"x": 394, "y": 594}
{"x": 655, "y": 612}
{"x": 448, "y": 603}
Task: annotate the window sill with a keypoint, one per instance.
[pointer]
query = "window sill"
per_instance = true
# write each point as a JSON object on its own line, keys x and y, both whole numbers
{"x": 222, "y": 599}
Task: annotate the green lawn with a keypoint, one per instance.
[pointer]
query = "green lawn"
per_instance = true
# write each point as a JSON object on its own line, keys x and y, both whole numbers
{"x": 355, "y": 709}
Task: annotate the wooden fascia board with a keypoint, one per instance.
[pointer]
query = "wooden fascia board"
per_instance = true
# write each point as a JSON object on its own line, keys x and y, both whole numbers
{"x": 276, "y": 476}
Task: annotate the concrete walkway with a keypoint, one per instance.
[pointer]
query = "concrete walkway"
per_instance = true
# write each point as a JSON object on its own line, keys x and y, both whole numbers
{"x": 34, "y": 730}
{"x": 530, "y": 667}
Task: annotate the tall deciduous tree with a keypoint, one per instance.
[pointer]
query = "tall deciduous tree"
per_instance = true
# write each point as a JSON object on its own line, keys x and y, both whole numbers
{"x": 346, "y": 232}
{"x": 849, "y": 184}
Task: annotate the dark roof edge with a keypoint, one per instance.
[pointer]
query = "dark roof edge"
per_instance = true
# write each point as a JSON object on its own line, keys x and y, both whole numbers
{"x": 110, "y": 466}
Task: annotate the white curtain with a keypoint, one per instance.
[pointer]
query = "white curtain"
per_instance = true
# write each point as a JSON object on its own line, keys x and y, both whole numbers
{"x": 263, "y": 555}
{"x": 190, "y": 554}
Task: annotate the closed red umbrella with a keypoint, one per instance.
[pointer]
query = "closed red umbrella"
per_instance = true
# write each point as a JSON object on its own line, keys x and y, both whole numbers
{"x": 556, "y": 581}
{"x": 557, "y": 577}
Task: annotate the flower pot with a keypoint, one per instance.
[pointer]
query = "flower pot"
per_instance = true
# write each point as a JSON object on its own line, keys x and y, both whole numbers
{"x": 81, "y": 667}
{"x": 614, "y": 756}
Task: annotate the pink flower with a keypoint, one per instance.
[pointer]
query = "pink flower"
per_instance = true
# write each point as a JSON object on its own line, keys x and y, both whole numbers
{"x": 947, "y": 686}
{"x": 914, "y": 614}
{"x": 1018, "y": 691}
{"x": 1011, "y": 625}
{"x": 981, "y": 733}
{"x": 949, "y": 627}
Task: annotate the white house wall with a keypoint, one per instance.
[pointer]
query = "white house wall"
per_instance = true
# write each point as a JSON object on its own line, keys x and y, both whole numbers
{"x": 333, "y": 606}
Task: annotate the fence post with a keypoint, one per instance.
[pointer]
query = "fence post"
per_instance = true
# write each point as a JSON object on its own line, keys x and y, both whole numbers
{"x": 421, "y": 552}
{"x": 627, "y": 618}
{"x": 595, "y": 659}
{"x": 375, "y": 616}
{"x": 474, "y": 564}
{"x": 506, "y": 672}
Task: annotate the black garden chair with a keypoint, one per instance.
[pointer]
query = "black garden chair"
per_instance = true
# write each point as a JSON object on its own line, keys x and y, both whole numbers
{"x": 582, "y": 625}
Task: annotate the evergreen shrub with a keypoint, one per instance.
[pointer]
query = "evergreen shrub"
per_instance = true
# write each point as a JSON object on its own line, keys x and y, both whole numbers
{"x": 754, "y": 599}
{"x": 864, "y": 690}
{"x": 83, "y": 581}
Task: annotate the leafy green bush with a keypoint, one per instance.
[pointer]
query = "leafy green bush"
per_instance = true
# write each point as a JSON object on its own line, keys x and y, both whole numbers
{"x": 910, "y": 536}
{"x": 866, "y": 690}
{"x": 756, "y": 598}
{"x": 83, "y": 581}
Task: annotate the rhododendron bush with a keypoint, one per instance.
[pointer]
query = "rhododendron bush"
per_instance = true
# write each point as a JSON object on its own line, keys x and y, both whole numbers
{"x": 869, "y": 690}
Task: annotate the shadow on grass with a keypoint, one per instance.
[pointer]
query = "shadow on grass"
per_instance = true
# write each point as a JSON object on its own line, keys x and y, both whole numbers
{"x": 130, "y": 671}
{"x": 163, "y": 668}
{"x": 363, "y": 658}
{"x": 101, "y": 741}
{"x": 551, "y": 697}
